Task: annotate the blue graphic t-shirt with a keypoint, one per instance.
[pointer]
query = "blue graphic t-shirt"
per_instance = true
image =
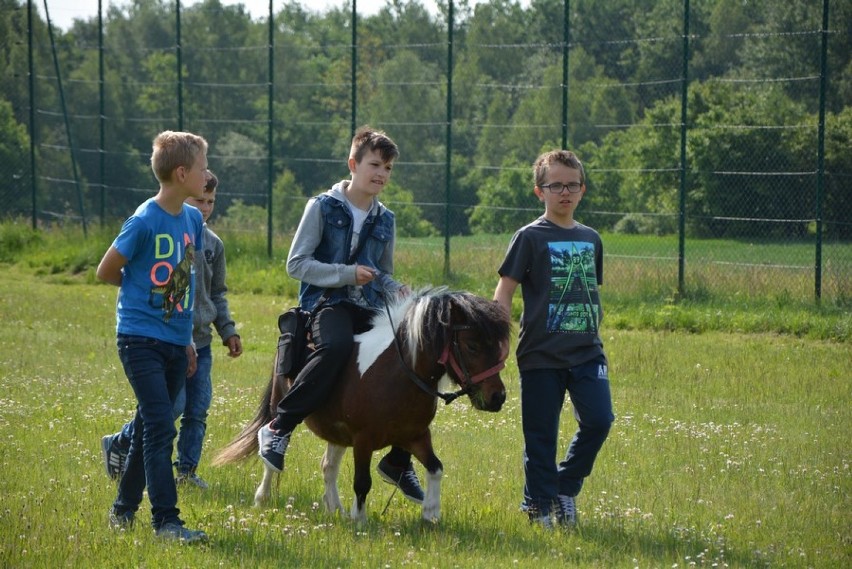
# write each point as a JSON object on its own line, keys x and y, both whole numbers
{"x": 158, "y": 283}
{"x": 559, "y": 271}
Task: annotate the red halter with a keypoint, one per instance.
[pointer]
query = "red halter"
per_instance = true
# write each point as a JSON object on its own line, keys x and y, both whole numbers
{"x": 461, "y": 372}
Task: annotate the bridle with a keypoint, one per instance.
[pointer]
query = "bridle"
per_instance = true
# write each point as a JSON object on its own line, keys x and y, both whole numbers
{"x": 451, "y": 359}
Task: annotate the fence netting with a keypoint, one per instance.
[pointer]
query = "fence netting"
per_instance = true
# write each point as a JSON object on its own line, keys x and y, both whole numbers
{"x": 715, "y": 135}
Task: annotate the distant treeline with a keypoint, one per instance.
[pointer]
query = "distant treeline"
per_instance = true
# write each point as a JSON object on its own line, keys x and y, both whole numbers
{"x": 754, "y": 93}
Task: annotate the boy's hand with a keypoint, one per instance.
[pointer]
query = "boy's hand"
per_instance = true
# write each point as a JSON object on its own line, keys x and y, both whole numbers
{"x": 235, "y": 346}
{"x": 364, "y": 274}
{"x": 192, "y": 361}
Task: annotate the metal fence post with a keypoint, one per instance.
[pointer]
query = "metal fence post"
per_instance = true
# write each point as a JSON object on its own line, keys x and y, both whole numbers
{"x": 269, "y": 125}
{"x": 102, "y": 117}
{"x": 684, "y": 89}
{"x": 354, "y": 68}
{"x": 823, "y": 71}
{"x": 565, "y": 35}
{"x": 179, "y": 59}
{"x": 32, "y": 110}
{"x": 449, "y": 141}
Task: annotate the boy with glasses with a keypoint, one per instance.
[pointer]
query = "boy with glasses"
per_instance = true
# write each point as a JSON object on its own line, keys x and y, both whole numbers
{"x": 559, "y": 264}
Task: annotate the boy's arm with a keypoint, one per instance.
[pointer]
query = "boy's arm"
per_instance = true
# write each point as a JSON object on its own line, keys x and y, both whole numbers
{"x": 224, "y": 323}
{"x": 503, "y": 293}
{"x": 301, "y": 263}
{"x": 109, "y": 269}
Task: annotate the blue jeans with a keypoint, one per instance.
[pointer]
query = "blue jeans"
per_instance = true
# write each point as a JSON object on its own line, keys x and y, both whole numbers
{"x": 193, "y": 402}
{"x": 542, "y": 397}
{"x": 156, "y": 371}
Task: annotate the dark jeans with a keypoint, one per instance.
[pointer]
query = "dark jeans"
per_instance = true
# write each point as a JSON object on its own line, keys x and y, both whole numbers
{"x": 193, "y": 403}
{"x": 333, "y": 329}
{"x": 157, "y": 372}
{"x": 542, "y": 397}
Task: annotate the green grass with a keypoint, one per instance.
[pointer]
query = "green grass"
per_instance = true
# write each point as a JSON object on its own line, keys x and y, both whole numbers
{"x": 730, "y": 286}
{"x": 729, "y": 450}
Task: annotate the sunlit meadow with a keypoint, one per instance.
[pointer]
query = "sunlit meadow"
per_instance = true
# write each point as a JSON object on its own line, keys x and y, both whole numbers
{"x": 729, "y": 450}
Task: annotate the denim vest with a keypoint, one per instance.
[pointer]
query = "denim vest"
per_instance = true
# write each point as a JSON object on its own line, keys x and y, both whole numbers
{"x": 335, "y": 247}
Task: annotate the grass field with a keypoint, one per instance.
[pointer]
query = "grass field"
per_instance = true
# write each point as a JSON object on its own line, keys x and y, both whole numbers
{"x": 729, "y": 450}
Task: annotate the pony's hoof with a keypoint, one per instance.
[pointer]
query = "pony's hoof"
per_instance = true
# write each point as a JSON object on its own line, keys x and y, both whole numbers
{"x": 261, "y": 499}
{"x": 431, "y": 519}
{"x": 333, "y": 507}
{"x": 431, "y": 515}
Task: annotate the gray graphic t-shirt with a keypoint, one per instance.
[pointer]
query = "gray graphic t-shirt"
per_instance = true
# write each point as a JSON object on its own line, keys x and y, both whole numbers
{"x": 560, "y": 271}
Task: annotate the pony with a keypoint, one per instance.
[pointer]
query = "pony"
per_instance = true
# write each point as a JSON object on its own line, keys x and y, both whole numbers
{"x": 388, "y": 391}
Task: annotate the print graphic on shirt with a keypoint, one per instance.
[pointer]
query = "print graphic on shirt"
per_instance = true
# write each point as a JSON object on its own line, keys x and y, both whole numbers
{"x": 175, "y": 289}
{"x": 572, "y": 282}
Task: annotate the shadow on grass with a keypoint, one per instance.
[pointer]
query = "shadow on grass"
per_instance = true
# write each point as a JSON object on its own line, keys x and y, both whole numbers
{"x": 295, "y": 530}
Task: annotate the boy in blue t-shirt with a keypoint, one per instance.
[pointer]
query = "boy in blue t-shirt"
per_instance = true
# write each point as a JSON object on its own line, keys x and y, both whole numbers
{"x": 151, "y": 261}
{"x": 559, "y": 265}
{"x": 193, "y": 402}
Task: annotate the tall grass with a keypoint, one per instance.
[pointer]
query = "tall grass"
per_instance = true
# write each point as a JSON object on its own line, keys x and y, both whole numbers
{"x": 729, "y": 450}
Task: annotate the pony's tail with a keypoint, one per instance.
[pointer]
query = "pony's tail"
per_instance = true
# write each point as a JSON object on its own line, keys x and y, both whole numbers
{"x": 245, "y": 444}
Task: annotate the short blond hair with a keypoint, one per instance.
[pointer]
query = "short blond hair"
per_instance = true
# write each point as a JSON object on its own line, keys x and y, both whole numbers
{"x": 564, "y": 157}
{"x": 174, "y": 149}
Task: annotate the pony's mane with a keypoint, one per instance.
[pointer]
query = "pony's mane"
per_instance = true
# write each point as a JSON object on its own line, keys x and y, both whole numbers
{"x": 424, "y": 318}
{"x": 377, "y": 339}
{"x": 410, "y": 310}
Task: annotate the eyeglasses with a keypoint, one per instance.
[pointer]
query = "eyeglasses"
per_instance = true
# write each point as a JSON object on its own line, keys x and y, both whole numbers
{"x": 558, "y": 188}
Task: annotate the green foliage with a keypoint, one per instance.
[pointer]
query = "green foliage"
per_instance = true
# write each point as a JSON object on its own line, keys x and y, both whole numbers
{"x": 506, "y": 202}
{"x": 16, "y": 238}
{"x": 643, "y": 224}
{"x": 240, "y": 164}
{"x": 288, "y": 202}
{"x": 751, "y": 131}
{"x": 408, "y": 216}
{"x": 240, "y": 216}
{"x": 14, "y": 145}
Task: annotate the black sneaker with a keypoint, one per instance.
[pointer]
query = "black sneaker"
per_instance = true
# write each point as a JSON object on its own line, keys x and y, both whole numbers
{"x": 175, "y": 531}
{"x": 566, "y": 514}
{"x": 403, "y": 478}
{"x": 114, "y": 457}
{"x": 272, "y": 445}
{"x": 121, "y": 521}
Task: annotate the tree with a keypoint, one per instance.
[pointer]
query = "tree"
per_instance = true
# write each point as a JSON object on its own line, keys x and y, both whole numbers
{"x": 288, "y": 202}
{"x": 507, "y": 201}
{"x": 14, "y": 163}
{"x": 410, "y": 221}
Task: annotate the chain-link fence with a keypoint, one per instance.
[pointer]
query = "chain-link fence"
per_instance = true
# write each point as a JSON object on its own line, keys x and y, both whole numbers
{"x": 715, "y": 135}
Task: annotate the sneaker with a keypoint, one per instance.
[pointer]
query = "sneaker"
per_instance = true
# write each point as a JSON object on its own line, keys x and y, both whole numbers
{"x": 272, "y": 445}
{"x": 175, "y": 531}
{"x": 566, "y": 515}
{"x": 114, "y": 457}
{"x": 403, "y": 478}
{"x": 121, "y": 521}
{"x": 191, "y": 478}
{"x": 544, "y": 521}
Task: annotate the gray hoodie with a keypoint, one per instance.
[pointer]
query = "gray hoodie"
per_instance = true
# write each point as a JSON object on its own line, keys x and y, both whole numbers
{"x": 211, "y": 306}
